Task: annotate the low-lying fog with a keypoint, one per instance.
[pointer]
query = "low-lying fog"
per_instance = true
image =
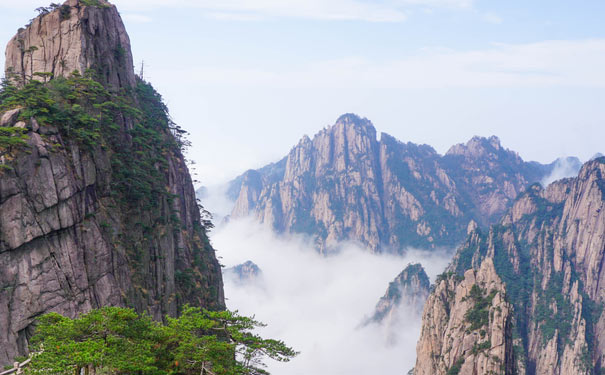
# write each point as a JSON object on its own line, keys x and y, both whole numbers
{"x": 316, "y": 303}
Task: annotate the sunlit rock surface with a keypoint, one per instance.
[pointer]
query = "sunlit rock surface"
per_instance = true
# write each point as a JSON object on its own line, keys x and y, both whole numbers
{"x": 543, "y": 263}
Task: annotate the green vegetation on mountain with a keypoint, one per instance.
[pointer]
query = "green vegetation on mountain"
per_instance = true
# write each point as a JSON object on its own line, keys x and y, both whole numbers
{"x": 132, "y": 126}
{"x": 478, "y": 315}
{"x": 114, "y": 340}
{"x": 84, "y": 111}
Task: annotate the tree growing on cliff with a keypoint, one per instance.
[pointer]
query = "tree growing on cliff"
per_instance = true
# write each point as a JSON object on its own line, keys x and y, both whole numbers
{"x": 119, "y": 341}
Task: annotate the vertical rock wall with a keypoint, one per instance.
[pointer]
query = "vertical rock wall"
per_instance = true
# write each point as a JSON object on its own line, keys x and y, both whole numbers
{"x": 546, "y": 258}
{"x": 69, "y": 241}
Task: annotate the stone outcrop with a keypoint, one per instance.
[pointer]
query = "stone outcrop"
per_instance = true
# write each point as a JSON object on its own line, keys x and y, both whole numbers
{"x": 455, "y": 338}
{"x": 344, "y": 184}
{"x": 409, "y": 290}
{"x": 544, "y": 264}
{"x": 245, "y": 273}
{"x": 70, "y": 238}
{"x": 74, "y": 37}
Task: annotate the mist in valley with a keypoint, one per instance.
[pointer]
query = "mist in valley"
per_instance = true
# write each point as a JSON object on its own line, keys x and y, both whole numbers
{"x": 317, "y": 303}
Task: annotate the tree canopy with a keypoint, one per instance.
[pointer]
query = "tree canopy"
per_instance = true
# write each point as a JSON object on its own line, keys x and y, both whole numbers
{"x": 114, "y": 340}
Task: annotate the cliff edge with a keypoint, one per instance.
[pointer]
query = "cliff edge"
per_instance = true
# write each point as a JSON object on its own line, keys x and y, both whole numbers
{"x": 97, "y": 206}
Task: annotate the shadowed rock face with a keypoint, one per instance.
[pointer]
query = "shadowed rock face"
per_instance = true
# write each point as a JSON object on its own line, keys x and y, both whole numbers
{"x": 344, "y": 184}
{"x": 541, "y": 282}
{"x": 75, "y": 37}
{"x": 68, "y": 241}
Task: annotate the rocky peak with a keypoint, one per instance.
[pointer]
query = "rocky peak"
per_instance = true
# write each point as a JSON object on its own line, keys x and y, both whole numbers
{"x": 478, "y": 147}
{"x": 472, "y": 226}
{"x": 353, "y": 126}
{"x": 351, "y": 119}
{"x": 408, "y": 290}
{"x": 84, "y": 224}
{"x": 244, "y": 273}
{"x": 336, "y": 148}
{"x": 73, "y": 36}
{"x": 593, "y": 170}
{"x": 546, "y": 257}
{"x": 344, "y": 184}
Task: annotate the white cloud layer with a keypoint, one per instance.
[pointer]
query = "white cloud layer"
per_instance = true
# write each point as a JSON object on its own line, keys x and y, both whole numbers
{"x": 373, "y": 11}
{"x": 543, "y": 64}
{"x": 563, "y": 168}
{"x": 316, "y": 303}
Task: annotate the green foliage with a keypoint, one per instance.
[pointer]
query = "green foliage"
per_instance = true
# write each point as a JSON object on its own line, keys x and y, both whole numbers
{"x": 65, "y": 12}
{"x": 130, "y": 128}
{"x": 519, "y": 284}
{"x": 94, "y": 3}
{"x": 591, "y": 312}
{"x": 12, "y": 139}
{"x": 120, "y": 341}
{"x": 478, "y": 315}
{"x": 455, "y": 369}
{"x": 475, "y": 244}
{"x": 478, "y": 348}
{"x": 443, "y": 276}
{"x": 79, "y": 106}
{"x": 444, "y": 229}
{"x": 111, "y": 338}
{"x": 135, "y": 125}
{"x": 552, "y": 322}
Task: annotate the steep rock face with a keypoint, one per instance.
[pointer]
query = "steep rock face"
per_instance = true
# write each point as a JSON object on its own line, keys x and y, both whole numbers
{"x": 344, "y": 184}
{"x": 409, "y": 289}
{"x": 455, "y": 338}
{"x": 489, "y": 193}
{"x": 548, "y": 253}
{"x": 74, "y": 37}
{"x": 74, "y": 233}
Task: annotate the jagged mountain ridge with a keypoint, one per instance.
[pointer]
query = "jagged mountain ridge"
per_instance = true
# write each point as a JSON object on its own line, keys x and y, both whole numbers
{"x": 527, "y": 296}
{"x": 344, "y": 184}
{"x": 79, "y": 228}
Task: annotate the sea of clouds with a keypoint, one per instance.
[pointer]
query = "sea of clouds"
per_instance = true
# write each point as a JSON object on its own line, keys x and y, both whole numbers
{"x": 316, "y": 303}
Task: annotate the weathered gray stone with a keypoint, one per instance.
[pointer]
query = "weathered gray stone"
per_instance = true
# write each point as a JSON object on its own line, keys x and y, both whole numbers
{"x": 91, "y": 37}
{"x": 559, "y": 234}
{"x": 62, "y": 227}
{"x": 34, "y": 126}
{"x": 10, "y": 117}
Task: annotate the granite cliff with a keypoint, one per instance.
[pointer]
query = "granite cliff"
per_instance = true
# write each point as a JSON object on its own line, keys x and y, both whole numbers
{"x": 344, "y": 184}
{"x": 71, "y": 37}
{"x": 527, "y": 295}
{"x": 97, "y": 206}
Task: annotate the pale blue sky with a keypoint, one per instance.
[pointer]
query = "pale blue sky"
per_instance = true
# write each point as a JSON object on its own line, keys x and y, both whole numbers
{"x": 249, "y": 77}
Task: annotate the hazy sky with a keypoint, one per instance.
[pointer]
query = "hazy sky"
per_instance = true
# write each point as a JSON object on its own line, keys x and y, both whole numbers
{"x": 249, "y": 77}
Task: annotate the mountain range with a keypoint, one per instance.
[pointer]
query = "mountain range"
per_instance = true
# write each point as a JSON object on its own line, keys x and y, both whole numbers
{"x": 347, "y": 185}
{"x": 97, "y": 208}
{"x": 525, "y": 296}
